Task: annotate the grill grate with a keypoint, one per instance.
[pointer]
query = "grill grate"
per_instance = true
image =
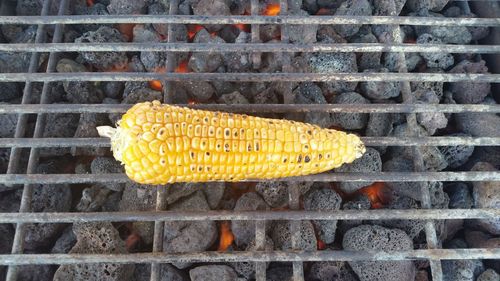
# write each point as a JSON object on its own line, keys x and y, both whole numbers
{"x": 433, "y": 253}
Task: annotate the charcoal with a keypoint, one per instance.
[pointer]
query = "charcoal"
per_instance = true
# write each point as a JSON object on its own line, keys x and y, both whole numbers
{"x": 302, "y": 34}
{"x": 360, "y": 202}
{"x": 10, "y": 201}
{"x": 126, "y": 7}
{"x": 65, "y": 242}
{"x": 201, "y": 91}
{"x": 14, "y": 62}
{"x": 469, "y": 92}
{"x": 237, "y": 62}
{"x": 386, "y": 8}
{"x": 244, "y": 231}
{"x": 479, "y": 239}
{"x": 7, "y": 234}
{"x": 213, "y": 192}
{"x": 461, "y": 270}
{"x": 212, "y": 273}
{"x": 432, "y": 5}
{"x": 489, "y": 275}
{"x": 352, "y": 8}
{"x": 153, "y": 61}
{"x": 282, "y": 273}
{"x": 135, "y": 65}
{"x": 247, "y": 269}
{"x": 270, "y": 33}
{"x": 103, "y": 60}
{"x": 82, "y": 92}
{"x": 66, "y": 65}
{"x": 212, "y": 8}
{"x": 379, "y": 90}
{"x": 93, "y": 198}
{"x": 142, "y": 95}
{"x": 311, "y": 6}
{"x": 29, "y": 7}
{"x": 310, "y": 93}
{"x": 351, "y": 121}
{"x": 486, "y": 195}
{"x": 327, "y": 34}
{"x": 478, "y": 124}
{"x": 460, "y": 196}
{"x": 331, "y": 271}
{"x": 96, "y": 9}
{"x": 107, "y": 165}
{"x": 206, "y": 61}
{"x": 439, "y": 60}
{"x": 377, "y": 238}
{"x": 46, "y": 198}
{"x": 457, "y": 155}
{"x": 369, "y": 162}
{"x": 113, "y": 117}
{"x": 379, "y": 125}
{"x": 276, "y": 193}
{"x": 390, "y": 61}
{"x": 422, "y": 275}
{"x": 145, "y": 33}
{"x": 431, "y": 121}
{"x": 282, "y": 237}
{"x": 185, "y": 236}
{"x": 367, "y": 60}
{"x": 131, "y": 86}
{"x": 456, "y": 34}
{"x": 36, "y": 272}
{"x": 334, "y": 63}
{"x": 436, "y": 87}
{"x": 8, "y": 124}
{"x": 324, "y": 199}
{"x": 9, "y": 91}
{"x": 96, "y": 238}
{"x": 233, "y": 98}
{"x": 167, "y": 273}
{"x": 113, "y": 89}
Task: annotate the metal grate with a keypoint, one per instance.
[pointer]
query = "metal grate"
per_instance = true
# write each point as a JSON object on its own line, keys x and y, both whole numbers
{"x": 433, "y": 253}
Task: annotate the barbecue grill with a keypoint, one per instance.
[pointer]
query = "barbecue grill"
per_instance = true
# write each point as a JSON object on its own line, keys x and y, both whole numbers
{"x": 31, "y": 139}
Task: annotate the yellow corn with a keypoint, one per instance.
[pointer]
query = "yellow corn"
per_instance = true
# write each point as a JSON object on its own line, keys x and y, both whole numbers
{"x": 161, "y": 144}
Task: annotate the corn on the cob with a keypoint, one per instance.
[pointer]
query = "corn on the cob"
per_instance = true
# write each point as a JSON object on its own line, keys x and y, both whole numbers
{"x": 161, "y": 144}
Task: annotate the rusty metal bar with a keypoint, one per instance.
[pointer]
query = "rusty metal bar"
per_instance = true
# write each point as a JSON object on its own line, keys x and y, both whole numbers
{"x": 260, "y": 245}
{"x": 259, "y": 216}
{"x": 161, "y": 191}
{"x": 257, "y": 108}
{"x": 275, "y": 256}
{"x": 411, "y": 119}
{"x": 302, "y": 20}
{"x": 249, "y": 47}
{"x": 369, "y": 141}
{"x": 324, "y": 177}
{"x": 26, "y": 197}
{"x": 250, "y": 77}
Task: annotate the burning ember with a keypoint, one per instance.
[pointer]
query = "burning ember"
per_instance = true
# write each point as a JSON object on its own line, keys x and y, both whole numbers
{"x": 192, "y": 30}
{"x": 127, "y": 29}
{"x": 181, "y": 68}
{"x": 226, "y": 236}
{"x": 324, "y": 12}
{"x": 272, "y": 10}
{"x": 243, "y": 27}
{"x": 378, "y": 193}
{"x": 320, "y": 244}
{"x": 90, "y": 3}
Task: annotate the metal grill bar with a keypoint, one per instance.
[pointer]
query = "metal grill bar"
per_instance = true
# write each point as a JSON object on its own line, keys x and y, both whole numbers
{"x": 258, "y": 108}
{"x": 281, "y": 20}
{"x": 250, "y": 77}
{"x": 275, "y": 256}
{"x": 369, "y": 141}
{"x": 259, "y": 216}
{"x": 248, "y": 47}
{"x": 325, "y": 177}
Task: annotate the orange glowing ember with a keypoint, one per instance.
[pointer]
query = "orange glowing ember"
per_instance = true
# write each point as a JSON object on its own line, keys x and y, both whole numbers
{"x": 192, "y": 30}
{"x": 156, "y": 84}
{"x": 323, "y": 12}
{"x": 182, "y": 67}
{"x": 226, "y": 236}
{"x": 127, "y": 29}
{"x": 90, "y": 3}
{"x": 243, "y": 27}
{"x": 272, "y": 10}
{"x": 132, "y": 241}
{"x": 320, "y": 244}
{"x": 378, "y": 194}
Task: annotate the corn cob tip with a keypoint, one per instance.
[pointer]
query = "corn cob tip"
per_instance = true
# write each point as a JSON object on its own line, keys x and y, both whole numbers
{"x": 119, "y": 139}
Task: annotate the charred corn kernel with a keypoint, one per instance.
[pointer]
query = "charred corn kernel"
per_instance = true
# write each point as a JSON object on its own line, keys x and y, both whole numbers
{"x": 161, "y": 144}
